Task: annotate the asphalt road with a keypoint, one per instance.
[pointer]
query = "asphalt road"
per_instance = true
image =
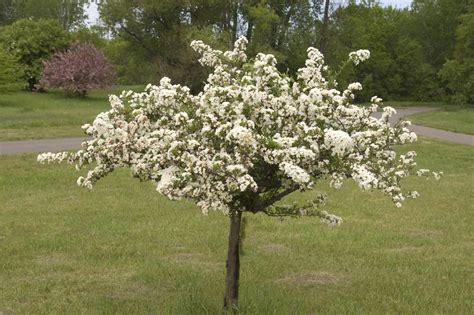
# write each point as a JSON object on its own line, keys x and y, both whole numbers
{"x": 55, "y": 145}
{"x": 427, "y": 131}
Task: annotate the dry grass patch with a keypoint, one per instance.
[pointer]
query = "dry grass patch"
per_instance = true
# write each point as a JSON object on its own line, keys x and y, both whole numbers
{"x": 195, "y": 259}
{"x": 425, "y": 234}
{"x": 311, "y": 278}
{"x": 184, "y": 257}
{"x": 274, "y": 248}
{"x": 54, "y": 260}
{"x": 405, "y": 250}
{"x": 134, "y": 291}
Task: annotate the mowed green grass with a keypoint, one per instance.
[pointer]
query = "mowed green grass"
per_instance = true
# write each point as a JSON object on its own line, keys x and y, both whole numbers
{"x": 122, "y": 248}
{"x": 456, "y": 119}
{"x": 26, "y": 115}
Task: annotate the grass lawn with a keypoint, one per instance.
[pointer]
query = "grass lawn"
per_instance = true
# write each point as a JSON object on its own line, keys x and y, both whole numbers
{"x": 457, "y": 119}
{"x": 122, "y": 248}
{"x": 26, "y": 115}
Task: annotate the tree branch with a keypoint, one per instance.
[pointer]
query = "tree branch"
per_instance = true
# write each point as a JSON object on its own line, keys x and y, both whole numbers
{"x": 276, "y": 197}
{"x": 137, "y": 38}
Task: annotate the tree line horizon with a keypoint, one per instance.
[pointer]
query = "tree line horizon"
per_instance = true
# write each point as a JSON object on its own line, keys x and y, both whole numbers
{"x": 421, "y": 53}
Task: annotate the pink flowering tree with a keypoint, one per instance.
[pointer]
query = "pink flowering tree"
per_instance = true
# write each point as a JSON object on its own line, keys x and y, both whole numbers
{"x": 249, "y": 139}
{"x": 80, "y": 68}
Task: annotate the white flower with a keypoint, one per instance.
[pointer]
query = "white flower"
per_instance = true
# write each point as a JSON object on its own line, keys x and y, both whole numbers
{"x": 422, "y": 172}
{"x": 365, "y": 178}
{"x": 338, "y": 141}
{"x": 355, "y": 86}
{"x": 166, "y": 179}
{"x": 296, "y": 173}
{"x": 359, "y": 56}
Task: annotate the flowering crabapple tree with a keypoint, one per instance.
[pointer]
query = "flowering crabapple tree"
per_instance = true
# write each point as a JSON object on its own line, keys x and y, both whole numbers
{"x": 250, "y": 138}
{"x": 80, "y": 68}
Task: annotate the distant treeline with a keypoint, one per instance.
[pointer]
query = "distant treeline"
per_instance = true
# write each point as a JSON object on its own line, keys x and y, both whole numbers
{"x": 425, "y": 52}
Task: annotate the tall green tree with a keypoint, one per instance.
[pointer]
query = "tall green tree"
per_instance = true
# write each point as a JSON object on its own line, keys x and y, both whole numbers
{"x": 458, "y": 72}
{"x": 398, "y": 68}
{"x": 7, "y": 12}
{"x": 285, "y": 28}
{"x": 31, "y": 43}
{"x": 159, "y": 32}
{"x": 434, "y": 26}
{"x": 69, "y": 14}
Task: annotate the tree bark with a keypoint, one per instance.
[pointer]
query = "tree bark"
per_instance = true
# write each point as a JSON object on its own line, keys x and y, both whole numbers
{"x": 233, "y": 263}
{"x": 324, "y": 27}
{"x": 235, "y": 20}
{"x": 249, "y": 30}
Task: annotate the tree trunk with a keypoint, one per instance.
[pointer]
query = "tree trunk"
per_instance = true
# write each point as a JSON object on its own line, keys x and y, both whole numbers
{"x": 249, "y": 30}
{"x": 233, "y": 263}
{"x": 324, "y": 27}
{"x": 31, "y": 84}
{"x": 235, "y": 20}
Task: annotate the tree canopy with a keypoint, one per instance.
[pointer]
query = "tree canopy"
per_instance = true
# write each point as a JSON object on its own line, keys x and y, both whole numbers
{"x": 409, "y": 46}
{"x": 458, "y": 72}
{"x": 67, "y": 13}
{"x": 31, "y": 43}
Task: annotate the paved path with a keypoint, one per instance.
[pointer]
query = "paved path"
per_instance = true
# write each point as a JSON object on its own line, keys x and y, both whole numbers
{"x": 46, "y": 145}
{"x": 427, "y": 131}
{"x": 54, "y": 145}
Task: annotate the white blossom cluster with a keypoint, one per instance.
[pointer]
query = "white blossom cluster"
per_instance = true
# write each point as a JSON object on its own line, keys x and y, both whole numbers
{"x": 359, "y": 56}
{"x": 251, "y": 137}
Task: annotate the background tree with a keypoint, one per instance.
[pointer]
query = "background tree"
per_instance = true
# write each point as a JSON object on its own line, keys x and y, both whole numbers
{"x": 399, "y": 68}
{"x": 32, "y": 42}
{"x": 155, "y": 33}
{"x": 94, "y": 34}
{"x": 159, "y": 32}
{"x": 10, "y": 72}
{"x": 434, "y": 26}
{"x": 69, "y": 14}
{"x": 146, "y": 39}
{"x": 7, "y": 12}
{"x": 458, "y": 72}
{"x": 80, "y": 68}
{"x": 323, "y": 32}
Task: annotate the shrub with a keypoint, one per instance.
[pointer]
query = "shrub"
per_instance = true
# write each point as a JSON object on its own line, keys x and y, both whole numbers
{"x": 80, "y": 68}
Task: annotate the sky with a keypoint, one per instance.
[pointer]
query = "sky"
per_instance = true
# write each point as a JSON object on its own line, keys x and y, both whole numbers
{"x": 94, "y": 15}
{"x": 397, "y": 3}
